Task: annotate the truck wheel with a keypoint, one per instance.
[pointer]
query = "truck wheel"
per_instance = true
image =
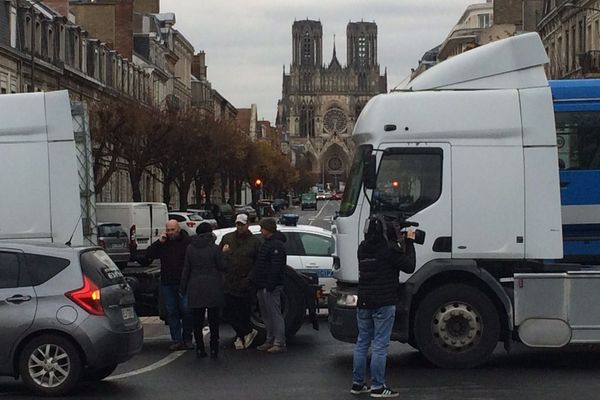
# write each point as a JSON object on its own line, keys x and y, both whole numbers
{"x": 456, "y": 326}
{"x": 97, "y": 374}
{"x": 292, "y": 306}
{"x": 49, "y": 365}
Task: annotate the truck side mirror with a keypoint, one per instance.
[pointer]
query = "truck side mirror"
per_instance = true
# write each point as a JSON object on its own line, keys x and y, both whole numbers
{"x": 369, "y": 171}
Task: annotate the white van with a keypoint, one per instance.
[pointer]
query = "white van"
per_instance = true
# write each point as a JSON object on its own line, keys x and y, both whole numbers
{"x": 143, "y": 221}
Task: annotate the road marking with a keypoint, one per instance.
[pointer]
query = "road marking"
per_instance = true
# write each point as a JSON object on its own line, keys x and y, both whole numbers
{"x": 161, "y": 363}
{"x": 320, "y": 211}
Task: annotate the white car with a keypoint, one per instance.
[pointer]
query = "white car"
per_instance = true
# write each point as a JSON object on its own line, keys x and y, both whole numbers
{"x": 187, "y": 221}
{"x": 308, "y": 248}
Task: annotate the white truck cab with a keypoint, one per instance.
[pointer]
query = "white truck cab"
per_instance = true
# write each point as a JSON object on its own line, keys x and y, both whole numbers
{"x": 467, "y": 151}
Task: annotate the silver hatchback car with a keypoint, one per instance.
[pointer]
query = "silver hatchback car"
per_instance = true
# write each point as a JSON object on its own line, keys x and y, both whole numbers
{"x": 65, "y": 314}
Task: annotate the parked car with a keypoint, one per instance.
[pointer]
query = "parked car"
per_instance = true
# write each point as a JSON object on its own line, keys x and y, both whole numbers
{"x": 222, "y": 212}
{"x": 321, "y": 196}
{"x": 309, "y": 248}
{"x": 72, "y": 318}
{"x": 206, "y": 215}
{"x": 280, "y": 204}
{"x": 187, "y": 221}
{"x": 336, "y": 195}
{"x": 264, "y": 208}
{"x": 248, "y": 210}
{"x": 143, "y": 221}
{"x": 115, "y": 242}
{"x": 308, "y": 201}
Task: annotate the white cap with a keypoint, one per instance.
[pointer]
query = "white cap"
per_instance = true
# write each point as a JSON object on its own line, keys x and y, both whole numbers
{"x": 243, "y": 218}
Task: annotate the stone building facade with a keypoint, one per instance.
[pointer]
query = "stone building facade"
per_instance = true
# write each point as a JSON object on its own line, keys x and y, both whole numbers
{"x": 571, "y": 35}
{"x": 320, "y": 103}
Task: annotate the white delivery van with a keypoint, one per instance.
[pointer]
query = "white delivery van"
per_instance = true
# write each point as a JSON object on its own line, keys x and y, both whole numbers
{"x": 143, "y": 221}
{"x": 40, "y": 198}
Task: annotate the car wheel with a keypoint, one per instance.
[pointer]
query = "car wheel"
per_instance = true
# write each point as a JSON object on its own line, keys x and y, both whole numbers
{"x": 97, "y": 374}
{"x": 50, "y": 365}
{"x": 456, "y": 326}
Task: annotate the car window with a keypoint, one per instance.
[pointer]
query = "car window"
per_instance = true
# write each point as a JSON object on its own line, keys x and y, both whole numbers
{"x": 316, "y": 245}
{"x": 291, "y": 248}
{"x": 112, "y": 230}
{"x": 177, "y": 217}
{"x": 43, "y": 268}
{"x": 9, "y": 270}
{"x": 98, "y": 266}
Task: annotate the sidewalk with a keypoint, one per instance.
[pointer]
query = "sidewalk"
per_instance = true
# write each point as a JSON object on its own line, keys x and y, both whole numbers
{"x": 155, "y": 329}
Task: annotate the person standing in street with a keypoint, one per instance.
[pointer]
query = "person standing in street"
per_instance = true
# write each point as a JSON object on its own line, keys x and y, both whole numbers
{"x": 170, "y": 249}
{"x": 379, "y": 266}
{"x": 240, "y": 249}
{"x": 202, "y": 285}
{"x": 268, "y": 278}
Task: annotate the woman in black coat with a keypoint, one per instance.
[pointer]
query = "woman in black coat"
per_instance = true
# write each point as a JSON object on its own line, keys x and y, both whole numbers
{"x": 202, "y": 283}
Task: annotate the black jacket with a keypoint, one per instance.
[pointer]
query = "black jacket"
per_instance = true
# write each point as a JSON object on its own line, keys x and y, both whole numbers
{"x": 171, "y": 255}
{"x": 378, "y": 272}
{"x": 270, "y": 263}
{"x": 202, "y": 277}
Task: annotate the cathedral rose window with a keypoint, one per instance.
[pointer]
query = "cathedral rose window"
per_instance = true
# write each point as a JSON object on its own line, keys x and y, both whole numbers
{"x": 335, "y": 120}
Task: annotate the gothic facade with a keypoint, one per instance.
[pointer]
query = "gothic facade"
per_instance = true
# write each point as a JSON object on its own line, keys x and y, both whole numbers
{"x": 320, "y": 103}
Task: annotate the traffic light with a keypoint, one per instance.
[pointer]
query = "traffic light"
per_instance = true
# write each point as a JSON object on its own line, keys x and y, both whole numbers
{"x": 257, "y": 182}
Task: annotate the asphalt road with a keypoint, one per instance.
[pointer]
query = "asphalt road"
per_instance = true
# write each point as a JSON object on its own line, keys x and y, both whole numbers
{"x": 319, "y": 367}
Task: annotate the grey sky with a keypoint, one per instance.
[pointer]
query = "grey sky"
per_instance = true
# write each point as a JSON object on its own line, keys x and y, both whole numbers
{"x": 248, "y": 42}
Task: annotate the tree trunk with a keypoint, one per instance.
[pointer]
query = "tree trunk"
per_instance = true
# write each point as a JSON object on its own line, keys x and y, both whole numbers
{"x": 223, "y": 186}
{"x": 184, "y": 189}
{"x": 198, "y": 190}
{"x": 167, "y": 190}
{"x": 135, "y": 178}
{"x": 101, "y": 179}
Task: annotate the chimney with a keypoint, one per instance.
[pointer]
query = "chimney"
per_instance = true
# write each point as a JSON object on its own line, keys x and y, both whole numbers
{"x": 60, "y": 6}
{"x": 199, "y": 65}
{"x": 124, "y": 28}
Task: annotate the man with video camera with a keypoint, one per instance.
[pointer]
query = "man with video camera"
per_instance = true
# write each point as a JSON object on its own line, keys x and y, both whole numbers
{"x": 385, "y": 251}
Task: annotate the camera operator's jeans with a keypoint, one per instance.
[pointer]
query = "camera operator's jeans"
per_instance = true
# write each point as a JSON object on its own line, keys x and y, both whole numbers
{"x": 374, "y": 326}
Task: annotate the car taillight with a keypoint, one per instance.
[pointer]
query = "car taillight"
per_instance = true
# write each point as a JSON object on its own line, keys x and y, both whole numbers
{"x": 132, "y": 238}
{"x": 102, "y": 243}
{"x": 87, "y": 297}
{"x": 190, "y": 224}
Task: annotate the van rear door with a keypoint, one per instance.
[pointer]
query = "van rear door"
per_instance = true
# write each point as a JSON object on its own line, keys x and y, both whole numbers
{"x": 159, "y": 219}
{"x": 142, "y": 222}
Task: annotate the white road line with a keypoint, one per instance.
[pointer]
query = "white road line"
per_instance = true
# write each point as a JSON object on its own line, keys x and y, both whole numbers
{"x": 161, "y": 363}
{"x": 319, "y": 213}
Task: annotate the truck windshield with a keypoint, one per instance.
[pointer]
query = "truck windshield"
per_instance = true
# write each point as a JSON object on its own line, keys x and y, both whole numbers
{"x": 408, "y": 180}
{"x": 354, "y": 183}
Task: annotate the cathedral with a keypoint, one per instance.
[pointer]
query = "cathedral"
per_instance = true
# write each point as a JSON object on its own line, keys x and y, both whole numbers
{"x": 321, "y": 102}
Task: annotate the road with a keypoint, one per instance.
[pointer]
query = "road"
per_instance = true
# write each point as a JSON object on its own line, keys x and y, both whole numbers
{"x": 319, "y": 367}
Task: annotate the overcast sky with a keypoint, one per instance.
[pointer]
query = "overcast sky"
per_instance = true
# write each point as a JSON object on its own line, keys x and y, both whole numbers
{"x": 247, "y": 43}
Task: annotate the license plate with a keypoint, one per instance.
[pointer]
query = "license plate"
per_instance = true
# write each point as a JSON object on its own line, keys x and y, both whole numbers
{"x": 128, "y": 312}
{"x": 324, "y": 273}
{"x": 117, "y": 246}
{"x": 143, "y": 240}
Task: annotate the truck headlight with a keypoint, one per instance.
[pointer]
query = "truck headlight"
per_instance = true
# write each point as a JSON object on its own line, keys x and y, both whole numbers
{"x": 347, "y": 300}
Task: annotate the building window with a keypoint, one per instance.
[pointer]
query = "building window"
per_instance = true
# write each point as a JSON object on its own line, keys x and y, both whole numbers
{"x": 307, "y": 56}
{"x": 362, "y": 50}
{"x": 483, "y": 20}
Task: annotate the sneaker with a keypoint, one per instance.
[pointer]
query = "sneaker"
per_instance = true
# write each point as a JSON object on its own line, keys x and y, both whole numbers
{"x": 264, "y": 347}
{"x": 277, "y": 349}
{"x": 383, "y": 392}
{"x": 249, "y": 338}
{"x": 359, "y": 388}
{"x": 239, "y": 344}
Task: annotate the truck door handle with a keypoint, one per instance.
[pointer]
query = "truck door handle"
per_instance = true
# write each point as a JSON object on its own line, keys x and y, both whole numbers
{"x": 564, "y": 184}
{"x": 18, "y": 299}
